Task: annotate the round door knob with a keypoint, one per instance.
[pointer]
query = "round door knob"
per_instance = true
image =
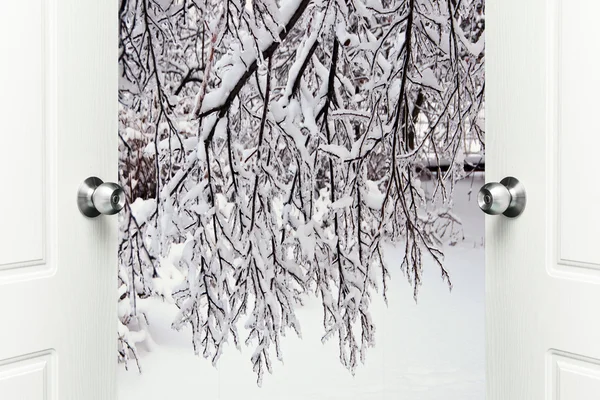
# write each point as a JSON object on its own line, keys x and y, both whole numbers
{"x": 507, "y": 197}
{"x": 96, "y": 197}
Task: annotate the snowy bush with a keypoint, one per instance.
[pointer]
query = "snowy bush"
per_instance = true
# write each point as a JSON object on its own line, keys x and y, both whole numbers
{"x": 280, "y": 144}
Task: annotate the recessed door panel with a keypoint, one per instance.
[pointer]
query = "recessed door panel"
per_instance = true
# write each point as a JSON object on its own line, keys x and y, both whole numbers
{"x": 573, "y": 377}
{"x": 31, "y": 377}
{"x": 23, "y": 127}
{"x": 575, "y": 102}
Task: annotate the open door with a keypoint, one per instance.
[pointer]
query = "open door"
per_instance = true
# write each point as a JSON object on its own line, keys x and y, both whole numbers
{"x": 58, "y": 110}
{"x": 543, "y": 268}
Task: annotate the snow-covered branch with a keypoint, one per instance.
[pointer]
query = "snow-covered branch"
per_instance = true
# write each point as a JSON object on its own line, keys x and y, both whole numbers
{"x": 278, "y": 147}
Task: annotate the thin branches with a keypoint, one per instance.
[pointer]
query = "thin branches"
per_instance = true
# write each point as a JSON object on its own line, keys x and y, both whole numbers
{"x": 271, "y": 152}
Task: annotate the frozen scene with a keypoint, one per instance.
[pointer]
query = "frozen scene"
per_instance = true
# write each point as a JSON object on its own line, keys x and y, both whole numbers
{"x": 301, "y": 219}
{"x": 430, "y": 350}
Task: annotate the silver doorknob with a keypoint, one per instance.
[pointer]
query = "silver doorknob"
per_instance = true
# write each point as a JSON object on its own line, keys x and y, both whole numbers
{"x": 507, "y": 197}
{"x": 96, "y": 197}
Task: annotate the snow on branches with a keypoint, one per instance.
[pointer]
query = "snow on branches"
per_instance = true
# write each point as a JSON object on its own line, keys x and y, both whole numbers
{"x": 281, "y": 144}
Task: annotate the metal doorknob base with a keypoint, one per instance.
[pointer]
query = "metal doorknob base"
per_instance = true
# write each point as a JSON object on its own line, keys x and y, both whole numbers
{"x": 96, "y": 197}
{"x": 507, "y": 197}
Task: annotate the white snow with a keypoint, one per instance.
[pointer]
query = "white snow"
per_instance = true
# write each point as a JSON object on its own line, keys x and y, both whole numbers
{"x": 433, "y": 350}
{"x": 342, "y": 203}
{"x": 428, "y": 78}
{"x": 143, "y": 209}
{"x": 474, "y": 48}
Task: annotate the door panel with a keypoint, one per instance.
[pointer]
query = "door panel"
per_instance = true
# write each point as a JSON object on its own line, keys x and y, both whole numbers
{"x": 541, "y": 280}
{"x": 575, "y": 103}
{"x": 57, "y": 268}
{"x": 25, "y": 133}
{"x": 30, "y": 377}
{"x": 573, "y": 377}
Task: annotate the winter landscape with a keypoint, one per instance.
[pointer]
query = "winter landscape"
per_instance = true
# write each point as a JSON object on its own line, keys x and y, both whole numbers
{"x": 300, "y": 219}
{"x": 430, "y": 350}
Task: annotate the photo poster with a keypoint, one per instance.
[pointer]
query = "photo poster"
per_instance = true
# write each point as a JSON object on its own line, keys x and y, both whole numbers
{"x": 301, "y": 217}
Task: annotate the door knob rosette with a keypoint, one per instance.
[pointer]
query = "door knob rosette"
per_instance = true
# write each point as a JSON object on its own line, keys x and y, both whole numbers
{"x": 507, "y": 197}
{"x": 96, "y": 197}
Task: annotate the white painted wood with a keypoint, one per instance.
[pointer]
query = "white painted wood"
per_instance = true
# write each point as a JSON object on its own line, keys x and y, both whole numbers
{"x": 542, "y": 282}
{"x": 28, "y": 377}
{"x": 58, "y": 110}
{"x": 578, "y": 85}
{"x": 22, "y": 116}
{"x": 574, "y": 377}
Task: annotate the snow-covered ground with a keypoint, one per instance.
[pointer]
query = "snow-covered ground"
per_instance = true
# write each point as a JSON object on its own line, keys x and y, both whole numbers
{"x": 433, "y": 350}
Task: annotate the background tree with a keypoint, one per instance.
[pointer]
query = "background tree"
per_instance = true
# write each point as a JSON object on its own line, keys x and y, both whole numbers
{"x": 282, "y": 144}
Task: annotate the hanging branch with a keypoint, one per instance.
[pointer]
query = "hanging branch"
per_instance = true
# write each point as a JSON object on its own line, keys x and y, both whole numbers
{"x": 283, "y": 145}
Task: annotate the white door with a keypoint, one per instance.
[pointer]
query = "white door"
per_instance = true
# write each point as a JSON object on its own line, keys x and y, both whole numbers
{"x": 543, "y": 268}
{"x": 58, "y": 109}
